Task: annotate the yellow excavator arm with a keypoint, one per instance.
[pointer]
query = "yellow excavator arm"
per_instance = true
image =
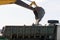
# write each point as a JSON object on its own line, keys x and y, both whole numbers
{"x": 2, "y": 2}
{"x": 38, "y": 11}
{"x": 18, "y": 2}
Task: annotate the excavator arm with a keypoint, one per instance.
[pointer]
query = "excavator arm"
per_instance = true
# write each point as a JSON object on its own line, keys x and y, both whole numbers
{"x": 3, "y": 2}
{"x": 38, "y": 11}
{"x": 18, "y": 2}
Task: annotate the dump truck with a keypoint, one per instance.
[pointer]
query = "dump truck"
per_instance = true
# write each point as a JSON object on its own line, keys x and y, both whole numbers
{"x": 33, "y": 32}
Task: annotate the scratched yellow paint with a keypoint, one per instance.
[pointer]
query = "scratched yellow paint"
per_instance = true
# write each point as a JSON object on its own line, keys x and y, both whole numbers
{"x": 7, "y": 1}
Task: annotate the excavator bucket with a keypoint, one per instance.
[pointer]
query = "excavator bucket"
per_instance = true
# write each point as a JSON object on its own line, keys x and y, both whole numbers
{"x": 7, "y": 1}
{"x": 39, "y": 13}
